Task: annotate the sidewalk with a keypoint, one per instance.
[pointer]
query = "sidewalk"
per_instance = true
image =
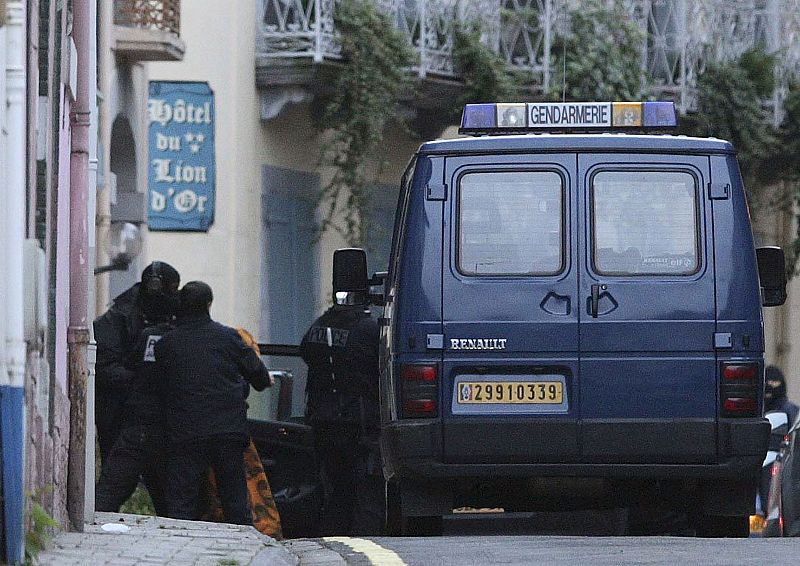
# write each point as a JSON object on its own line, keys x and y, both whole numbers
{"x": 155, "y": 540}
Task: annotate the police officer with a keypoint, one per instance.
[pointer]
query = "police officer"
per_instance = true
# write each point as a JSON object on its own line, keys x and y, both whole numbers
{"x": 775, "y": 398}
{"x": 116, "y": 332}
{"x": 139, "y": 449}
{"x": 206, "y": 369}
{"x": 341, "y": 351}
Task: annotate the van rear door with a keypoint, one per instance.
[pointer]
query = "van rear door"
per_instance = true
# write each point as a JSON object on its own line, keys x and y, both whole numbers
{"x": 510, "y": 310}
{"x": 647, "y": 361}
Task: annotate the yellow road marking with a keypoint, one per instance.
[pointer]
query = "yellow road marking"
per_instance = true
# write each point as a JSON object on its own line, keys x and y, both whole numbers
{"x": 374, "y": 552}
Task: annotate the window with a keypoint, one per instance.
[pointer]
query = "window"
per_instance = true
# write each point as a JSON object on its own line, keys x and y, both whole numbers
{"x": 511, "y": 223}
{"x": 400, "y": 216}
{"x": 645, "y": 223}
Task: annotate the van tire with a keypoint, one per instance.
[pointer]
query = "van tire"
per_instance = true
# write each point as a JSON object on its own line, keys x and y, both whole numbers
{"x": 427, "y": 526}
{"x": 719, "y": 526}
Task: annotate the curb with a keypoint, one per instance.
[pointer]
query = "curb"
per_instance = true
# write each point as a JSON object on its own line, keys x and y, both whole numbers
{"x": 274, "y": 555}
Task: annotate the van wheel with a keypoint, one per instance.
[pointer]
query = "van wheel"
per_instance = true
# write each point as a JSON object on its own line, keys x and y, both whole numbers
{"x": 718, "y": 526}
{"x": 429, "y": 526}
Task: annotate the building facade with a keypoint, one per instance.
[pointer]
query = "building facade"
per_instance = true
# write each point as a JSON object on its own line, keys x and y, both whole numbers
{"x": 48, "y": 121}
{"x": 263, "y": 256}
{"x": 72, "y": 149}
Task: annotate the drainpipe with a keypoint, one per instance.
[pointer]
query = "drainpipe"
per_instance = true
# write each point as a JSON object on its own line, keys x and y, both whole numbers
{"x": 103, "y": 220}
{"x": 89, "y": 473}
{"x": 12, "y": 409}
{"x": 78, "y": 330}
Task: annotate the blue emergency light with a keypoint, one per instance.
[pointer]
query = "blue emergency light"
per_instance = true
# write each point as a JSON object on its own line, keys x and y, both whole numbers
{"x": 565, "y": 116}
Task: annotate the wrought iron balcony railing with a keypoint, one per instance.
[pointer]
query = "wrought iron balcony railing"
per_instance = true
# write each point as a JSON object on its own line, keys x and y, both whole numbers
{"x": 305, "y": 29}
{"x": 678, "y": 36}
{"x": 164, "y": 15}
{"x": 148, "y": 30}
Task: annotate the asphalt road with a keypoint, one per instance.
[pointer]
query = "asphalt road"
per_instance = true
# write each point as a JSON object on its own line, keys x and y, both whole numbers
{"x": 576, "y": 551}
{"x": 541, "y": 538}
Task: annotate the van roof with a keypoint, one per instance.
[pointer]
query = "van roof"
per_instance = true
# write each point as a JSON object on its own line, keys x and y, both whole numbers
{"x": 612, "y": 142}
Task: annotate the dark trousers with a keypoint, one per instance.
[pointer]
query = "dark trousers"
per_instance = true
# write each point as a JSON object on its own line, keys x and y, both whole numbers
{"x": 188, "y": 464}
{"x": 354, "y": 490}
{"x": 106, "y": 438}
{"x": 138, "y": 452}
{"x": 109, "y": 425}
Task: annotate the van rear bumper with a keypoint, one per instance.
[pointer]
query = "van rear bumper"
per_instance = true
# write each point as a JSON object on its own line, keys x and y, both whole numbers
{"x": 623, "y": 448}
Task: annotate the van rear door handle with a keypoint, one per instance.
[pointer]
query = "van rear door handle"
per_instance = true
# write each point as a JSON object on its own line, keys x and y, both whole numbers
{"x": 595, "y": 303}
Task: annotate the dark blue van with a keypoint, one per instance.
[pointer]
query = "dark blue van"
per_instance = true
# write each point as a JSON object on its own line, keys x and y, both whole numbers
{"x": 573, "y": 320}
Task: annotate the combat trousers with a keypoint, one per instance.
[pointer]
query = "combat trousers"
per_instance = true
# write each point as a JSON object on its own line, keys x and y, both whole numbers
{"x": 354, "y": 495}
{"x": 188, "y": 466}
{"x": 138, "y": 452}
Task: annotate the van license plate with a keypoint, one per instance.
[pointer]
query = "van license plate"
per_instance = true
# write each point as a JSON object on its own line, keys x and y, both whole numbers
{"x": 514, "y": 392}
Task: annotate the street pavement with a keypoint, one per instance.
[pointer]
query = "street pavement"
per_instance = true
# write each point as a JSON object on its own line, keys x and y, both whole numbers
{"x": 544, "y": 550}
{"x": 154, "y": 540}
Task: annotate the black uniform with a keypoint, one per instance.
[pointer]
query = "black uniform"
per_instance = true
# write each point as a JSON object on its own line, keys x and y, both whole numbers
{"x": 115, "y": 332}
{"x": 341, "y": 351}
{"x": 139, "y": 449}
{"x": 207, "y": 367}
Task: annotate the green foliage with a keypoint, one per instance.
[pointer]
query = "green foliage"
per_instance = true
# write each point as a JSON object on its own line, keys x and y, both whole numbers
{"x": 139, "y": 503}
{"x": 599, "y": 58}
{"x": 787, "y": 155}
{"x": 366, "y": 94}
{"x": 41, "y": 526}
{"x": 729, "y": 107}
{"x": 786, "y": 165}
{"x": 485, "y": 74}
{"x": 760, "y": 68}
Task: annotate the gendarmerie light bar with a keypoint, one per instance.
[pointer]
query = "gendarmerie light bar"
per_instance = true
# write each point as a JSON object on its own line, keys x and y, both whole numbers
{"x": 565, "y": 116}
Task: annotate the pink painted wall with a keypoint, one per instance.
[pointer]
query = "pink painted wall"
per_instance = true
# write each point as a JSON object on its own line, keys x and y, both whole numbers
{"x": 62, "y": 241}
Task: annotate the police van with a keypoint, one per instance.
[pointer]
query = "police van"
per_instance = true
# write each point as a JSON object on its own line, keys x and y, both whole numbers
{"x": 573, "y": 320}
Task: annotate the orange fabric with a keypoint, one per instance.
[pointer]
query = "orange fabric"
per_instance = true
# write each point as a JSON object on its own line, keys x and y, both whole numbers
{"x": 266, "y": 518}
{"x": 265, "y": 513}
{"x": 249, "y": 340}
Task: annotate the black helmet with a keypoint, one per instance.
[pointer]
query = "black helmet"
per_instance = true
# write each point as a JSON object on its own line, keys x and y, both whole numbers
{"x": 774, "y": 386}
{"x": 159, "y": 291}
{"x": 160, "y": 277}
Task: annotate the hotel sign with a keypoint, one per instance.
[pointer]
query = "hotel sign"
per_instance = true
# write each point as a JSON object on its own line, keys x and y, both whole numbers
{"x": 181, "y": 166}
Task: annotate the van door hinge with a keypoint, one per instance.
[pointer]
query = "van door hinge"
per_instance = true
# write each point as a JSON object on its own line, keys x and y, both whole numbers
{"x": 436, "y": 192}
{"x": 723, "y": 340}
{"x": 719, "y": 191}
{"x": 435, "y": 342}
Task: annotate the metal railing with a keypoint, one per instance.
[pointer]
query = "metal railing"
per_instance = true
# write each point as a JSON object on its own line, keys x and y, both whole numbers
{"x": 163, "y": 15}
{"x": 679, "y": 36}
{"x": 305, "y": 29}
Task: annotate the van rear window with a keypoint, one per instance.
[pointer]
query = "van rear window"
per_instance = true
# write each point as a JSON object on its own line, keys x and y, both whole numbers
{"x": 645, "y": 223}
{"x": 511, "y": 223}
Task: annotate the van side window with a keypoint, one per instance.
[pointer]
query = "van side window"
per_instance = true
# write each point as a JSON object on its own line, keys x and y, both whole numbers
{"x": 511, "y": 223}
{"x": 645, "y": 223}
{"x": 400, "y": 219}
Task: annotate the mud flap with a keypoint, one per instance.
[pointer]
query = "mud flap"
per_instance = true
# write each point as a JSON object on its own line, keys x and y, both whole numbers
{"x": 419, "y": 499}
{"x": 728, "y": 497}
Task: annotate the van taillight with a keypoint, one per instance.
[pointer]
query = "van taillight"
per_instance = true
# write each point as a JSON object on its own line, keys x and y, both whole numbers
{"x": 739, "y": 386}
{"x": 420, "y": 390}
{"x": 418, "y": 373}
{"x": 740, "y": 405}
{"x": 419, "y": 407}
{"x": 741, "y": 372}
